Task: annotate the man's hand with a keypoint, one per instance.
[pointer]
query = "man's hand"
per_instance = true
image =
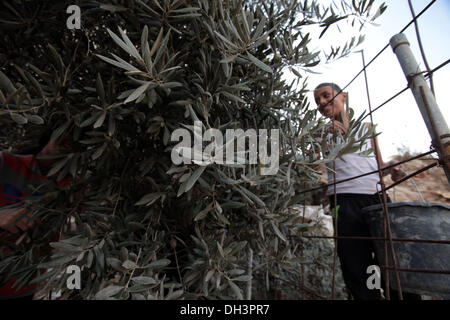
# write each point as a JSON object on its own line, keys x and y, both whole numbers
{"x": 9, "y": 215}
{"x": 397, "y": 172}
{"x": 336, "y": 125}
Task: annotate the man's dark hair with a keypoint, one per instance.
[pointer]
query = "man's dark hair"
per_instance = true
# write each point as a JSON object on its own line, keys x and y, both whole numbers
{"x": 329, "y": 84}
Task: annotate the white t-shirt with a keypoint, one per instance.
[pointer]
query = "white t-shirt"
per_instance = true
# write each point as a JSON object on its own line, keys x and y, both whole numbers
{"x": 351, "y": 165}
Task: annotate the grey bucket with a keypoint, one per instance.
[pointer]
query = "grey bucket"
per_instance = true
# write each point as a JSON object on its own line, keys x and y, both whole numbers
{"x": 415, "y": 220}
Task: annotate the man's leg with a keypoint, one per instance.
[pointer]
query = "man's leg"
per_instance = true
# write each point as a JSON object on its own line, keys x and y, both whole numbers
{"x": 355, "y": 255}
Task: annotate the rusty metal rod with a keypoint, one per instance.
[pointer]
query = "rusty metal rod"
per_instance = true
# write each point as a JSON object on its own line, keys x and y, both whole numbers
{"x": 368, "y": 173}
{"x": 418, "y": 270}
{"x": 302, "y": 267}
{"x": 386, "y": 223}
{"x": 437, "y": 68}
{"x": 302, "y": 287}
{"x": 412, "y": 175}
{"x": 378, "y": 239}
{"x": 385, "y": 102}
{"x": 385, "y": 47}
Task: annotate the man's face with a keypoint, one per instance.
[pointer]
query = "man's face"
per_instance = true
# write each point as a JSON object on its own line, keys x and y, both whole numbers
{"x": 325, "y": 102}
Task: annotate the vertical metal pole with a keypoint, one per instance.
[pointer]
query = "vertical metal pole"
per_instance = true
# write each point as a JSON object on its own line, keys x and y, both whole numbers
{"x": 431, "y": 114}
{"x": 386, "y": 223}
{"x": 250, "y": 273}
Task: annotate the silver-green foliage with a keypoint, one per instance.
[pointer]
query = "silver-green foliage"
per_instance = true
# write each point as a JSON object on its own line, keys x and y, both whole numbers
{"x": 137, "y": 225}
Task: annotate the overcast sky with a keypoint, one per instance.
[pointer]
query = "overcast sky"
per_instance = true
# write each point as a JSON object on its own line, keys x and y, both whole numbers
{"x": 400, "y": 121}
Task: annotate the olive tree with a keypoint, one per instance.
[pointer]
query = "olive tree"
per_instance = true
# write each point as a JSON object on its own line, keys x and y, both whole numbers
{"x": 137, "y": 224}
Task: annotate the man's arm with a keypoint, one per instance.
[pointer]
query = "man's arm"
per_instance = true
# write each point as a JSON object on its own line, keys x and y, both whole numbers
{"x": 8, "y": 216}
{"x": 396, "y": 172}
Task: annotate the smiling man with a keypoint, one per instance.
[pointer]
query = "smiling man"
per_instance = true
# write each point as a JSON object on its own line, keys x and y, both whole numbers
{"x": 356, "y": 256}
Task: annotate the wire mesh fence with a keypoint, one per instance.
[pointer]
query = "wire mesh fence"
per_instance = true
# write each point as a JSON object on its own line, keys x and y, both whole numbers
{"x": 387, "y": 239}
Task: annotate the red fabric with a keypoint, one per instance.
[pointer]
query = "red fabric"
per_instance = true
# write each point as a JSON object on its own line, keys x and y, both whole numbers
{"x": 3, "y": 202}
{"x": 8, "y": 291}
{"x": 22, "y": 165}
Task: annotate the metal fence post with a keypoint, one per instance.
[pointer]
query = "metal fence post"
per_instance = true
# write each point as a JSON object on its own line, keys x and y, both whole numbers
{"x": 435, "y": 122}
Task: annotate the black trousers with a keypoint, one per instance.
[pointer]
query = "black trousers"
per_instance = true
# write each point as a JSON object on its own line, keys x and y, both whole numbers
{"x": 356, "y": 255}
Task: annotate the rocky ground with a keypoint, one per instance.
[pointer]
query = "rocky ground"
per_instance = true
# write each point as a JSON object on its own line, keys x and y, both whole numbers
{"x": 431, "y": 184}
